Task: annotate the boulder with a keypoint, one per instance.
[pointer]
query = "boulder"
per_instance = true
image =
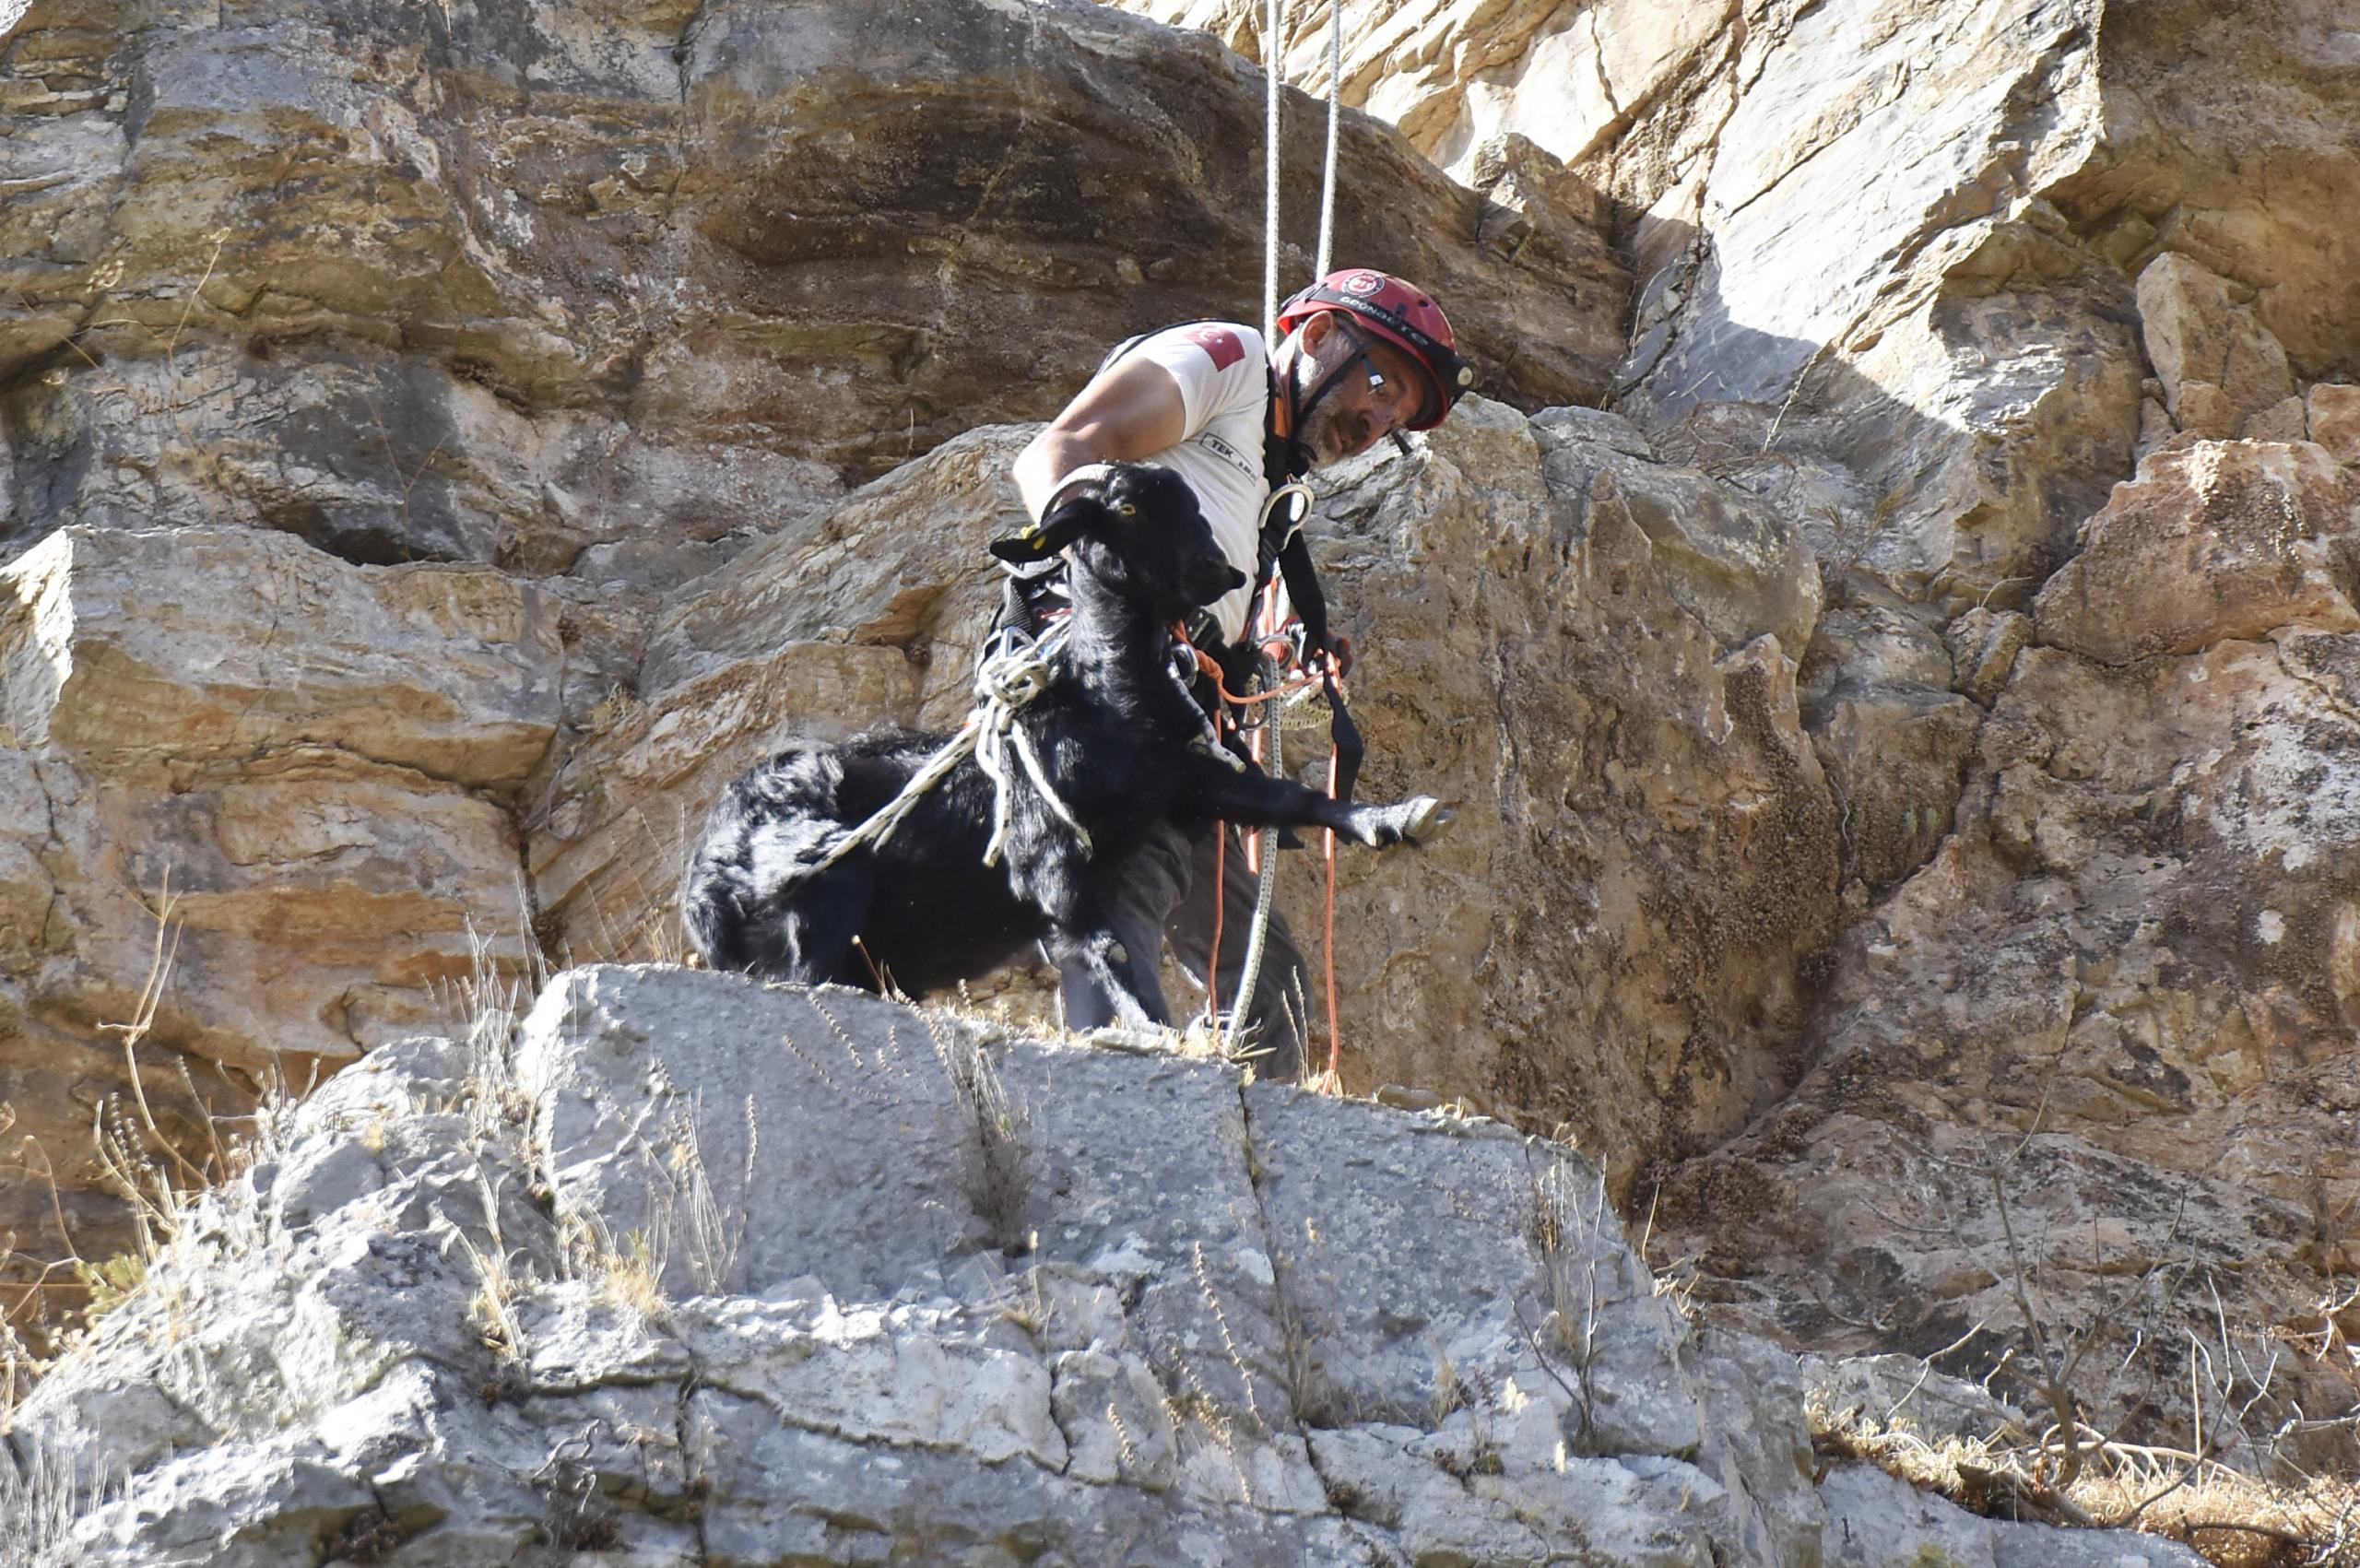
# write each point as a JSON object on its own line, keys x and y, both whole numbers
{"x": 1141, "y": 1311}
{"x": 2213, "y": 542}
{"x": 2196, "y": 332}
{"x": 2332, "y": 413}
{"x": 259, "y": 809}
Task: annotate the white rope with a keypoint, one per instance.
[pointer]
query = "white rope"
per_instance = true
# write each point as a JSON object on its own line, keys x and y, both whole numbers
{"x": 1258, "y": 934}
{"x": 1012, "y": 670}
{"x": 1334, "y": 111}
{"x": 1272, "y": 47}
{"x": 1249, "y": 975}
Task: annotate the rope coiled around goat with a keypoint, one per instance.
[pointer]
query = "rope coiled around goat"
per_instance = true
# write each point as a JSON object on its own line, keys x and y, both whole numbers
{"x": 1011, "y": 671}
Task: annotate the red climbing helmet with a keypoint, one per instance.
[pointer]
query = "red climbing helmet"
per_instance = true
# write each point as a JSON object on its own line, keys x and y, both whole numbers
{"x": 1404, "y": 315}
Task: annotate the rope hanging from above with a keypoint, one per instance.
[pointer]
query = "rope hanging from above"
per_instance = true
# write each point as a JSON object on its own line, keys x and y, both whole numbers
{"x": 1273, "y": 74}
{"x": 1273, "y": 67}
{"x": 1335, "y": 110}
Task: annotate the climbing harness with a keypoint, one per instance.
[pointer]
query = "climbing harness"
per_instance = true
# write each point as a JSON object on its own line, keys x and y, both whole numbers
{"x": 1011, "y": 671}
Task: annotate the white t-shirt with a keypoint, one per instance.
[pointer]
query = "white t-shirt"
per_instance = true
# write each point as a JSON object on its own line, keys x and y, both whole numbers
{"x": 1222, "y": 370}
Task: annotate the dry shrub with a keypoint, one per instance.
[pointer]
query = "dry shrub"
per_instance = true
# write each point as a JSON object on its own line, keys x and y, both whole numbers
{"x": 2226, "y": 1515}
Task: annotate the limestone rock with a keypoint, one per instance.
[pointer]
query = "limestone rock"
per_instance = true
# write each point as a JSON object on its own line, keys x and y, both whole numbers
{"x": 2213, "y": 542}
{"x": 386, "y": 284}
{"x": 2129, "y": 964}
{"x": 1460, "y": 78}
{"x": 135, "y": 653}
{"x": 2283, "y": 420}
{"x": 1892, "y": 735}
{"x": 1983, "y": 647}
{"x": 1875, "y": 1519}
{"x": 1741, "y": 568}
{"x": 2196, "y": 332}
{"x": 1176, "y": 1318}
{"x": 264, "y": 790}
{"x": 2333, "y": 412}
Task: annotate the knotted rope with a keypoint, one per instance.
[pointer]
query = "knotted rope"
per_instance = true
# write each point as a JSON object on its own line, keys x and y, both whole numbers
{"x": 1011, "y": 672}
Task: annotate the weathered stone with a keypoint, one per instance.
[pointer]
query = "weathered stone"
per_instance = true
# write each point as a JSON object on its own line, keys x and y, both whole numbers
{"x": 1876, "y": 1520}
{"x": 2195, "y": 332}
{"x": 421, "y": 1366}
{"x": 2333, "y": 421}
{"x": 138, "y": 653}
{"x": 1741, "y": 569}
{"x": 1892, "y": 735}
{"x": 2206, "y": 411}
{"x": 689, "y": 1177}
{"x": 260, "y": 798}
{"x": 2281, "y": 422}
{"x": 1460, "y": 78}
{"x": 2213, "y": 542}
{"x": 1902, "y": 1393}
{"x": 1983, "y": 647}
{"x": 2156, "y": 427}
{"x": 2130, "y": 964}
{"x": 747, "y": 230}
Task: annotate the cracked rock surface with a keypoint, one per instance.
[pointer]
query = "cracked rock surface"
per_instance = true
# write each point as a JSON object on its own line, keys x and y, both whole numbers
{"x": 700, "y": 1272}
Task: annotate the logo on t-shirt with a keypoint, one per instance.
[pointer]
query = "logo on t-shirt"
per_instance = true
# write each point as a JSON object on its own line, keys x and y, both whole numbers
{"x": 1228, "y": 454}
{"x": 1219, "y": 344}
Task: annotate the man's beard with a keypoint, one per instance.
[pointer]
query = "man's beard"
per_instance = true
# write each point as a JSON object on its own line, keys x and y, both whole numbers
{"x": 1330, "y": 432}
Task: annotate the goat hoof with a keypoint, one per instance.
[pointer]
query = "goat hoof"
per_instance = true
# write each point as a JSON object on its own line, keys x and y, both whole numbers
{"x": 1428, "y": 820}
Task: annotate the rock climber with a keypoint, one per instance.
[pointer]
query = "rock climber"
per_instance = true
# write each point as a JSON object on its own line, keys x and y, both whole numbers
{"x": 1362, "y": 355}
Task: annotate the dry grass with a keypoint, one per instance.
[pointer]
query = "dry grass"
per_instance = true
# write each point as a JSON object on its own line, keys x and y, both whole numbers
{"x": 39, "y": 1503}
{"x": 157, "y": 1173}
{"x": 2227, "y": 1516}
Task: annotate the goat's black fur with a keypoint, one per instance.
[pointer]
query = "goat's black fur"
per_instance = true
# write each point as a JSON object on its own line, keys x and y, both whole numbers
{"x": 1119, "y": 738}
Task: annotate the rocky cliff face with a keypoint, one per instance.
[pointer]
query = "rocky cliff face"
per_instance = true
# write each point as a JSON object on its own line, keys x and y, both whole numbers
{"x": 1887, "y": 626}
{"x": 373, "y": 374}
{"x": 2037, "y": 318}
{"x": 947, "y": 1298}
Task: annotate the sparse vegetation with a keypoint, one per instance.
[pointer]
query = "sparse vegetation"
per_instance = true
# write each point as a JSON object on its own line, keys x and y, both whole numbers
{"x": 1566, "y": 1228}
{"x": 2228, "y": 1517}
{"x": 39, "y": 1503}
{"x": 157, "y": 1172}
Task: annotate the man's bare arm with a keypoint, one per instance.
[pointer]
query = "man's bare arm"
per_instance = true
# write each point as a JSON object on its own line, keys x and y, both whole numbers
{"x": 1131, "y": 413}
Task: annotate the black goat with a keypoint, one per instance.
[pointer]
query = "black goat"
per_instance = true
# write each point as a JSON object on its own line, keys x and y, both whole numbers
{"x": 1119, "y": 742}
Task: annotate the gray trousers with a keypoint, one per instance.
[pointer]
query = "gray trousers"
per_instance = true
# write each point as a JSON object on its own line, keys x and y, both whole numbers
{"x": 1165, "y": 890}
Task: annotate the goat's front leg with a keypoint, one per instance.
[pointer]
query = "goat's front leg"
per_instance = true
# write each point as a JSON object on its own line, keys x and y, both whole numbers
{"x": 1256, "y": 800}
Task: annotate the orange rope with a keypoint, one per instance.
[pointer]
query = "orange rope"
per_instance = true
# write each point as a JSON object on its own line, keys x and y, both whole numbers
{"x": 1280, "y": 649}
{"x": 1210, "y": 668}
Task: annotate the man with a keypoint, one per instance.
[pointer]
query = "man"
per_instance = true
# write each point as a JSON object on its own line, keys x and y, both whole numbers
{"x": 1362, "y": 355}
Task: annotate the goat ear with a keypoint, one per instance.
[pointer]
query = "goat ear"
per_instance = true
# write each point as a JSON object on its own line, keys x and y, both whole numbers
{"x": 1046, "y": 538}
